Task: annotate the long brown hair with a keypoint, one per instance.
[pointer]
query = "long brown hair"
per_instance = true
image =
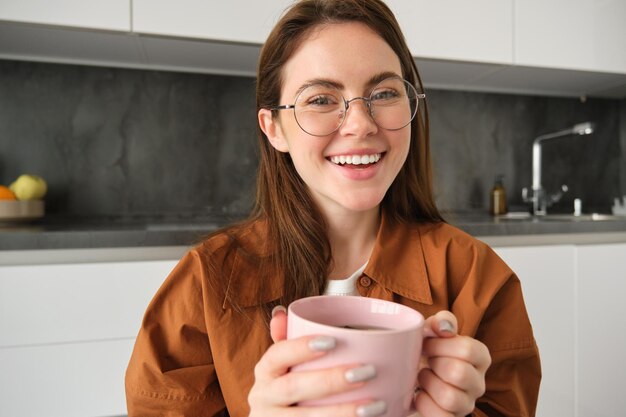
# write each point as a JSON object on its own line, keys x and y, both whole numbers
{"x": 297, "y": 231}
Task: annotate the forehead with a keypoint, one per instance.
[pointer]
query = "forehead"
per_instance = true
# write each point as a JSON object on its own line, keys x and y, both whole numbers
{"x": 350, "y": 53}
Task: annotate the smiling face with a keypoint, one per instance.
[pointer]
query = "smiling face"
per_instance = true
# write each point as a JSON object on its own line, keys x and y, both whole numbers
{"x": 352, "y": 168}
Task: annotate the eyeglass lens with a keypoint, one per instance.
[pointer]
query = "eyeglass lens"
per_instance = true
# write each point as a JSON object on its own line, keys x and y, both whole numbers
{"x": 320, "y": 109}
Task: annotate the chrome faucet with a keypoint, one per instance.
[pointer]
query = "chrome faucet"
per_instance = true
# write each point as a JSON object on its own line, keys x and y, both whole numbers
{"x": 540, "y": 200}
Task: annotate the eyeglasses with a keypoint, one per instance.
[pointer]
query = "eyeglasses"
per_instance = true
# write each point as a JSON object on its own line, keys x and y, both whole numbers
{"x": 320, "y": 109}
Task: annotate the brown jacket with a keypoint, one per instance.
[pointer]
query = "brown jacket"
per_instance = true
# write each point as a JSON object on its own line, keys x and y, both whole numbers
{"x": 195, "y": 354}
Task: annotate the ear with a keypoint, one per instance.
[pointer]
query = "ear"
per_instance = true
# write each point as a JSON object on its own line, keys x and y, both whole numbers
{"x": 272, "y": 130}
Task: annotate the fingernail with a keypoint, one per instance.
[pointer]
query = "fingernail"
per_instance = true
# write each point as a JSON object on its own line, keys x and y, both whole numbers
{"x": 322, "y": 343}
{"x": 362, "y": 373}
{"x": 445, "y": 326}
{"x": 278, "y": 309}
{"x": 374, "y": 409}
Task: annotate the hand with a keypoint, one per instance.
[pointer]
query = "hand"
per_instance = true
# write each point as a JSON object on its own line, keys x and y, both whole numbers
{"x": 275, "y": 389}
{"x": 453, "y": 369}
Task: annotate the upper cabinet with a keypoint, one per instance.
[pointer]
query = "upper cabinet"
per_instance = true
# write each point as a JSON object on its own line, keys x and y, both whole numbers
{"x": 587, "y": 35}
{"x": 232, "y": 21}
{"x": 559, "y": 47}
{"x": 92, "y": 14}
{"x": 476, "y": 31}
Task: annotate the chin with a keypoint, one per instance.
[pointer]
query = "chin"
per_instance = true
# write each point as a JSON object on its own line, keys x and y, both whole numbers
{"x": 362, "y": 204}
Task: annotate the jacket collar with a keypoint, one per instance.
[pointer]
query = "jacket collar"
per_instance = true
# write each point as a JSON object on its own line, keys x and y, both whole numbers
{"x": 397, "y": 261}
{"x": 252, "y": 279}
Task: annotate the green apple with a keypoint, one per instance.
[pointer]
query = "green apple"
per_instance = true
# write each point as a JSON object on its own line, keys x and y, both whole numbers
{"x": 29, "y": 187}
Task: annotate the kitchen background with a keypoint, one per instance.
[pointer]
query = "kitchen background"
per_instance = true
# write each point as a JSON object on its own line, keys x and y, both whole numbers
{"x": 112, "y": 103}
{"x": 117, "y": 142}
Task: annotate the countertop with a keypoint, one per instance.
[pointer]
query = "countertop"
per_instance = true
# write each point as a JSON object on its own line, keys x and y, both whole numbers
{"x": 108, "y": 232}
{"x": 71, "y": 233}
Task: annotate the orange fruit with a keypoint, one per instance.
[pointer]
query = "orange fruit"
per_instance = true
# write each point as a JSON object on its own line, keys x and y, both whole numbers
{"x": 6, "y": 193}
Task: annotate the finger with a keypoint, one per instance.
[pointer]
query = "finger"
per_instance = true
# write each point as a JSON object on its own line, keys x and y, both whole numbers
{"x": 315, "y": 384}
{"x": 442, "y": 324}
{"x": 426, "y": 406}
{"x": 278, "y": 324}
{"x": 460, "y": 374}
{"x": 448, "y": 398}
{"x": 459, "y": 347}
{"x": 423, "y": 363}
{"x": 365, "y": 409}
{"x": 284, "y": 354}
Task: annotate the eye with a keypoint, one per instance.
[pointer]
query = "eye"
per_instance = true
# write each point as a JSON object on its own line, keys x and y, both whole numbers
{"x": 318, "y": 99}
{"x": 322, "y": 100}
{"x": 385, "y": 94}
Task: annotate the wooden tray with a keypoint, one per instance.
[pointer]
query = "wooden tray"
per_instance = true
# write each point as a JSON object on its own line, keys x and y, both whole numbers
{"x": 19, "y": 211}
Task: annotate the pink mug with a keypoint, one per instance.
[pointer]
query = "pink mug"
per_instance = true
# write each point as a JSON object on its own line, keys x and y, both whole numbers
{"x": 368, "y": 331}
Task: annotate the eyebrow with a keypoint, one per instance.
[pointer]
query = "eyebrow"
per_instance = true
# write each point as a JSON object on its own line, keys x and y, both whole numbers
{"x": 328, "y": 82}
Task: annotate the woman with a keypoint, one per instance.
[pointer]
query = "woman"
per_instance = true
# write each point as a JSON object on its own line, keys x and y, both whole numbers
{"x": 344, "y": 206}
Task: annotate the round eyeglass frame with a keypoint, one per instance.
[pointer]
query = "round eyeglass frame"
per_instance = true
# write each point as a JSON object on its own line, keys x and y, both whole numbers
{"x": 368, "y": 102}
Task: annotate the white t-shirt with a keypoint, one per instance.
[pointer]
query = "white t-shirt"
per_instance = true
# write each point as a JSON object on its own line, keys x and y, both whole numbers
{"x": 345, "y": 286}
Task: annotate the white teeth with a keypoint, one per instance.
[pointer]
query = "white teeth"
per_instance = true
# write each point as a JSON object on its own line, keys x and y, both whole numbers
{"x": 355, "y": 159}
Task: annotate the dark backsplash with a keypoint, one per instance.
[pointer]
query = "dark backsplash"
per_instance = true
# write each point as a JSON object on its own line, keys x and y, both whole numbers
{"x": 118, "y": 142}
{"x": 477, "y": 136}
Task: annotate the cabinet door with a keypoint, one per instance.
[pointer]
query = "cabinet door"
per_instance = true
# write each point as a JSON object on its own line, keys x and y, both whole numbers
{"x": 547, "y": 277}
{"x": 84, "y": 379}
{"x": 235, "y": 20}
{"x": 94, "y": 14}
{"x": 476, "y": 31}
{"x": 571, "y": 34}
{"x": 45, "y": 304}
{"x": 601, "y": 335}
{"x": 66, "y": 334}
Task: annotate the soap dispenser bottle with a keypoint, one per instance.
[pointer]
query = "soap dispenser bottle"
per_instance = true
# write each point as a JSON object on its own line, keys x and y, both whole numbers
{"x": 497, "y": 203}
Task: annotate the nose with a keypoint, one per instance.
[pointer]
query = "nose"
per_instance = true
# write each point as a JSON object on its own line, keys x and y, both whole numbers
{"x": 358, "y": 119}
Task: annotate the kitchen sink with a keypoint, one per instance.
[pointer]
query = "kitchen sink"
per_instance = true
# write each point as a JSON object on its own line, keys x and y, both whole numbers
{"x": 595, "y": 217}
{"x": 592, "y": 217}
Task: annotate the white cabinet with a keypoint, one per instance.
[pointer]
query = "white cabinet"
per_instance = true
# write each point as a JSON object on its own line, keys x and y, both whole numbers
{"x": 560, "y": 47}
{"x": 94, "y": 14}
{"x": 83, "y": 379}
{"x": 547, "y": 276}
{"x": 601, "y": 336}
{"x": 235, "y": 20}
{"x": 588, "y": 35}
{"x": 454, "y": 29}
{"x": 476, "y": 31}
{"x": 67, "y": 332}
{"x": 575, "y": 300}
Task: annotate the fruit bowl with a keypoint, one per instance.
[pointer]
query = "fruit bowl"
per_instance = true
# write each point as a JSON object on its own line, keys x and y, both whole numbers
{"x": 18, "y": 211}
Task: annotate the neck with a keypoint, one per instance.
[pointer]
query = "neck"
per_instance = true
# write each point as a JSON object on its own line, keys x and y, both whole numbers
{"x": 352, "y": 237}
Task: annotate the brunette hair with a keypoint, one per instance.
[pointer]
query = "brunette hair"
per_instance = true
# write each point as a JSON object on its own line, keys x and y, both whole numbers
{"x": 297, "y": 231}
